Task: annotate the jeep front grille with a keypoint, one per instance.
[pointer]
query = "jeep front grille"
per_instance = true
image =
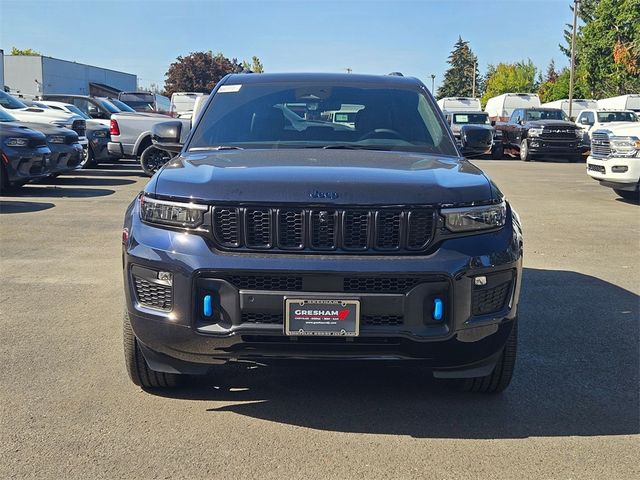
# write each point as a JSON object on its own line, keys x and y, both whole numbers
{"x": 323, "y": 229}
{"x": 600, "y": 146}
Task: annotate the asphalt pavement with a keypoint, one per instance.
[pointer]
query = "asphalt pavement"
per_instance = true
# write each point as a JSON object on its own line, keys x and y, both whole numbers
{"x": 68, "y": 409}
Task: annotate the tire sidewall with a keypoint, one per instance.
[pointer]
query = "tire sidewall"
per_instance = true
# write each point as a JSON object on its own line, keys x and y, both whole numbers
{"x": 525, "y": 156}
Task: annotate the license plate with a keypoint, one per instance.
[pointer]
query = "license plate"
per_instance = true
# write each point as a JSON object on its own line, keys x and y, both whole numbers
{"x": 322, "y": 317}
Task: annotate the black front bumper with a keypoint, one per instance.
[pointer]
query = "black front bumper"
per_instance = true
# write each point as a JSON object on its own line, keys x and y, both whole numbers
{"x": 26, "y": 164}
{"x": 546, "y": 147}
{"x": 396, "y": 295}
{"x": 66, "y": 157}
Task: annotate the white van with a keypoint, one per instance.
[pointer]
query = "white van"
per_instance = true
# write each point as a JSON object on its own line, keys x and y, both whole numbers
{"x": 460, "y": 104}
{"x": 623, "y": 102}
{"x": 501, "y": 107}
{"x": 183, "y": 102}
{"x": 579, "y": 104}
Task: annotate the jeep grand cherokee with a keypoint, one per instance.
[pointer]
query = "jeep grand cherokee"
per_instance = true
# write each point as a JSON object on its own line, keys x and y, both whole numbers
{"x": 280, "y": 233}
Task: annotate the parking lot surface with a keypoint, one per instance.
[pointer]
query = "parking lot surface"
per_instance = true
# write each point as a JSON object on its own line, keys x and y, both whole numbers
{"x": 68, "y": 409}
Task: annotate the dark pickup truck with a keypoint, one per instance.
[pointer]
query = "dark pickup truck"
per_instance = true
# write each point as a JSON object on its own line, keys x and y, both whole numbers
{"x": 275, "y": 235}
{"x": 540, "y": 132}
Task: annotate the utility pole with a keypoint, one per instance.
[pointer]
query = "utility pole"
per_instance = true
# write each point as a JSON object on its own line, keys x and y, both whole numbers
{"x": 433, "y": 81}
{"x": 576, "y": 5}
{"x": 473, "y": 85}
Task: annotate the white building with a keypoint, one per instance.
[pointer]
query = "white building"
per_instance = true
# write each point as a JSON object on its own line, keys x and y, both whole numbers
{"x": 39, "y": 75}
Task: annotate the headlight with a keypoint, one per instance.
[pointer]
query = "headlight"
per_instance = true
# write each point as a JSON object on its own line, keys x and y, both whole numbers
{"x": 100, "y": 133}
{"x": 55, "y": 138}
{"x": 535, "y": 132}
{"x": 176, "y": 214}
{"x": 16, "y": 142}
{"x": 466, "y": 219}
{"x": 624, "y": 146}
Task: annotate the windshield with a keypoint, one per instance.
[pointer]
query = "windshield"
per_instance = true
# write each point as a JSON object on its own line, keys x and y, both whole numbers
{"x": 109, "y": 107}
{"x": 604, "y": 117}
{"x": 473, "y": 118}
{"x": 115, "y": 103}
{"x": 7, "y": 101}
{"x": 546, "y": 115}
{"x": 140, "y": 102}
{"x": 77, "y": 111}
{"x": 310, "y": 115}
{"x": 6, "y": 117}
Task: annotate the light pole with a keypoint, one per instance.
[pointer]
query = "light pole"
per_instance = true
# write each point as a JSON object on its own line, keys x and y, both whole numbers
{"x": 473, "y": 87}
{"x": 433, "y": 81}
{"x": 576, "y": 5}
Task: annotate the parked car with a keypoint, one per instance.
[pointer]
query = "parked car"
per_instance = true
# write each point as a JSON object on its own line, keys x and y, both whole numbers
{"x": 501, "y": 107}
{"x": 23, "y": 152}
{"x": 131, "y": 133}
{"x": 622, "y": 102}
{"x": 261, "y": 242}
{"x": 460, "y": 104}
{"x": 540, "y": 132}
{"x": 45, "y": 116}
{"x": 182, "y": 103}
{"x": 146, "y": 102}
{"x": 97, "y": 133}
{"x": 98, "y": 109}
{"x": 592, "y": 119}
{"x": 615, "y": 159}
{"x": 578, "y": 105}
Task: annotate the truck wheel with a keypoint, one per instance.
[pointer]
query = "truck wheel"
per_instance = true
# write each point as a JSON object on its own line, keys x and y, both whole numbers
{"x": 152, "y": 159}
{"x": 90, "y": 161}
{"x": 628, "y": 194}
{"x": 137, "y": 368}
{"x": 525, "y": 156}
{"x": 501, "y": 376}
{"x": 497, "y": 152}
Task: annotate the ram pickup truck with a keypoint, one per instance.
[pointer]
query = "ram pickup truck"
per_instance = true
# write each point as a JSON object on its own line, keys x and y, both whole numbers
{"x": 540, "y": 132}
{"x": 615, "y": 159}
{"x": 590, "y": 120}
{"x": 262, "y": 242}
{"x": 131, "y": 132}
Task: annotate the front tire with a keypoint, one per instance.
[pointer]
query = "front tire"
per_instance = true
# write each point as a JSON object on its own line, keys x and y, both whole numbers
{"x": 525, "y": 156}
{"x": 497, "y": 152}
{"x": 137, "y": 368}
{"x": 501, "y": 376}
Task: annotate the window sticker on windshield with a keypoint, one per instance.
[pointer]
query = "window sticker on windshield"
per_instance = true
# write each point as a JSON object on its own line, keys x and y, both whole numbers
{"x": 229, "y": 88}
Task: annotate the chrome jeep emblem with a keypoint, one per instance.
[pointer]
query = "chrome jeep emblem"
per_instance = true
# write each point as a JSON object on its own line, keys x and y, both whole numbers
{"x": 324, "y": 195}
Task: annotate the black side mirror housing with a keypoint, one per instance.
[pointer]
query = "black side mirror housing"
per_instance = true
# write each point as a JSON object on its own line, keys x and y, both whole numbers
{"x": 166, "y": 136}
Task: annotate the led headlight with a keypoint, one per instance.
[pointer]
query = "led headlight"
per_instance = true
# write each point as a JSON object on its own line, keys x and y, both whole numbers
{"x": 101, "y": 133}
{"x": 624, "y": 146}
{"x": 16, "y": 142}
{"x": 466, "y": 219}
{"x": 55, "y": 138}
{"x": 176, "y": 214}
{"x": 535, "y": 132}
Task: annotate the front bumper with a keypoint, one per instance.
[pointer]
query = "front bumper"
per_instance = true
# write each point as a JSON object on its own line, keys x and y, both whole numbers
{"x": 621, "y": 173}
{"x": 25, "y": 164}
{"x": 545, "y": 147}
{"x": 66, "y": 157}
{"x": 249, "y": 290}
{"x": 99, "y": 146}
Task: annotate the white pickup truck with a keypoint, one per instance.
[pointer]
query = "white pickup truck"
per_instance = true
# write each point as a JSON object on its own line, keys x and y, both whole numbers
{"x": 615, "y": 159}
{"x": 131, "y": 132}
{"x": 590, "y": 120}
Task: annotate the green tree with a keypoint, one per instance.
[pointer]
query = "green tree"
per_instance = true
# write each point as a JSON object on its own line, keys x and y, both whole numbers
{"x": 255, "y": 66}
{"x": 517, "y": 77}
{"x": 25, "y": 51}
{"x": 459, "y": 77}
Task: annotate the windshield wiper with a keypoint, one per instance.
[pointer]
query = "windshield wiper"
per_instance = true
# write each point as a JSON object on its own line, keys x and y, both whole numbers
{"x": 217, "y": 147}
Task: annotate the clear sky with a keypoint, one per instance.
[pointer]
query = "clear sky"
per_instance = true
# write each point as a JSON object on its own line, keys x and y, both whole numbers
{"x": 375, "y": 36}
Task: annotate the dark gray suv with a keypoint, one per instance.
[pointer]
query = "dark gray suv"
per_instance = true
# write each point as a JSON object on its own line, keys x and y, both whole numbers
{"x": 281, "y": 233}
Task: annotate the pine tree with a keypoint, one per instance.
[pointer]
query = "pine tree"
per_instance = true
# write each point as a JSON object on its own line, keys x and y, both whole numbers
{"x": 458, "y": 79}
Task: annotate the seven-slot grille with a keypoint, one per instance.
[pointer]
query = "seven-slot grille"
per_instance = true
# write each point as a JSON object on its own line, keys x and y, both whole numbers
{"x": 600, "y": 146}
{"x": 320, "y": 229}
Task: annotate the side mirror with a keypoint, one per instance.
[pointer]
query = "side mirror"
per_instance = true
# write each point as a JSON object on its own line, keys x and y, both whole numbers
{"x": 584, "y": 121}
{"x": 166, "y": 136}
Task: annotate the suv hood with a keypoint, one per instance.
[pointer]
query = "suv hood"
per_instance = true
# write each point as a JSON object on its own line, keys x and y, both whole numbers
{"x": 14, "y": 128}
{"x": 46, "y": 116}
{"x": 348, "y": 177}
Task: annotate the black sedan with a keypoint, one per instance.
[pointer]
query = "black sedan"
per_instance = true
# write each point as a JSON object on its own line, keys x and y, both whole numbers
{"x": 23, "y": 152}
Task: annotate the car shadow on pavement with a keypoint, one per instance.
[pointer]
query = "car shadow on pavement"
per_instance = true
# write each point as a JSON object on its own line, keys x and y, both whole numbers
{"x": 125, "y": 168}
{"x": 23, "y": 207}
{"x": 53, "y": 191}
{"x": 88, "y": 181}
{"x": 576, "y": 375}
